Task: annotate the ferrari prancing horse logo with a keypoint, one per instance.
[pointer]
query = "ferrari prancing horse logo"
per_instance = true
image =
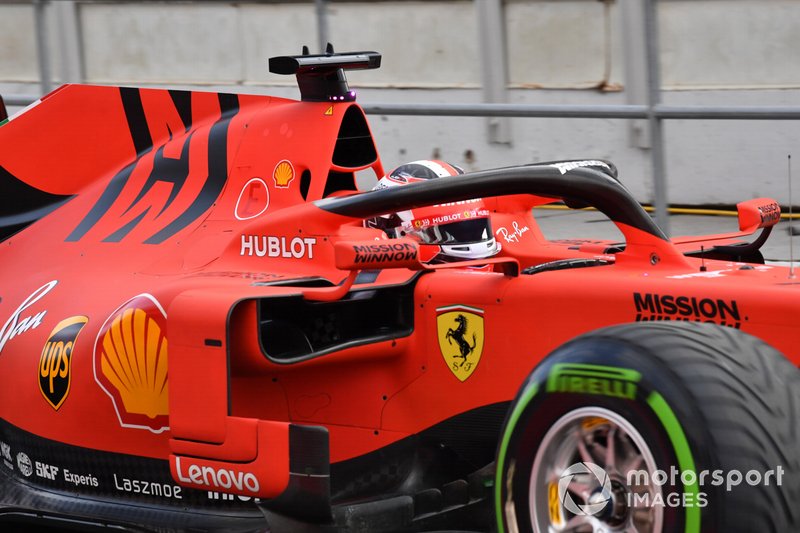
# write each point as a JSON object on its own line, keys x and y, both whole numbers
{"x": 460, "y": 331}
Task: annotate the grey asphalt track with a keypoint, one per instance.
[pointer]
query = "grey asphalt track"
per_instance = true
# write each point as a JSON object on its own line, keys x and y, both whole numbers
{"x": 572, "y": 224}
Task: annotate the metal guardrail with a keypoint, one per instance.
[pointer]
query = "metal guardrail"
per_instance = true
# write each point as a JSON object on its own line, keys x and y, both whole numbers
{"x": 653, "y": 114}
{"x": 18, "y": 100}
{"x": 642, "y": 14}
{"x": 581, "y": 111}
{"x": 554, "y": 111}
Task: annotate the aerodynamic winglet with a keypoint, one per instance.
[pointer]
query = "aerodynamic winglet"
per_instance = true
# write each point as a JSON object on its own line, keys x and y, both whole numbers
{"x": 321, "y": 77}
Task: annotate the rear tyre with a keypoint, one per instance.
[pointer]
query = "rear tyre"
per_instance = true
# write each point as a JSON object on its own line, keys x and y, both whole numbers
{"x": 654, "y": 428}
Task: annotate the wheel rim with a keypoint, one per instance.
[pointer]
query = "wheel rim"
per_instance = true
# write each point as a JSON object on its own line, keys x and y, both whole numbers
{"x": 578, "y": 481}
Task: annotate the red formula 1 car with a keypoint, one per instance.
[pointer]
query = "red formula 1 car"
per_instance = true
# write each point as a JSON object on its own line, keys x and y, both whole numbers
{"x": 199, "y": 332}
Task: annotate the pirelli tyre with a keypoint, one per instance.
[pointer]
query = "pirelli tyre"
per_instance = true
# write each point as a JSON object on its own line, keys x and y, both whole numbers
{"x": 669, "y": 427}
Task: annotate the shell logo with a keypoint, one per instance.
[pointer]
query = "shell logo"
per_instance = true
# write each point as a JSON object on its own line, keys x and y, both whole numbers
{"x": 283, "y": 174}
{"x": 130, "y": 363}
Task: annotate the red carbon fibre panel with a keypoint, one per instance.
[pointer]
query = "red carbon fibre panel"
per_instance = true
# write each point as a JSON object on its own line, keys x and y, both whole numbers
{"x": 83, "y": 142}
{"x": 240, "y": 444}
{"x": 198, "y": 366}
{"x": 265, "y": 477}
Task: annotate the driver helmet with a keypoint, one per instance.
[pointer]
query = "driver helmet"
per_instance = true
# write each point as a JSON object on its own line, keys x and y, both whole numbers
{"x": 462, "y": 230}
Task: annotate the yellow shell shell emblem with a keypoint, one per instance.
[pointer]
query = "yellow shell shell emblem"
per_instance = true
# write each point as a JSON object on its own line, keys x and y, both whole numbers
{"x": 283, "y": 174}
{"x": 131, "y": 364}
{"x": 461, "y": 334}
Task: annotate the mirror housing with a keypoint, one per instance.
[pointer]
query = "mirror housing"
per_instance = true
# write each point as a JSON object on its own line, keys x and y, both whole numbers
{"x": 399, "y": 253}
{"x": 758, "y": 213}
{"x": 372, "y": 255}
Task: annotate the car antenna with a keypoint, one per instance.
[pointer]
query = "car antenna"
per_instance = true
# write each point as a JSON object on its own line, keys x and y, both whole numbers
{"x": 791, "y": 233}
{"x": 703, "y": 258}
{"x": 305, "y": 50}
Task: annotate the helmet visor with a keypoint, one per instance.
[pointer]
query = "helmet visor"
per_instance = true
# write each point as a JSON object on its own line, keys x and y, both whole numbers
{"x": 464, "y": 232}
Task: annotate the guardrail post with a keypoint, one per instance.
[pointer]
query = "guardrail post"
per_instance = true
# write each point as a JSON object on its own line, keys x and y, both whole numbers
{"x": 494, "y": 61}
{"x": 69, "y": 44}
{"x": 656, "y": 129}
{"x": 42, "y": 55}
{"x": 634, "y": 47}
{"x": 322, "y": 24}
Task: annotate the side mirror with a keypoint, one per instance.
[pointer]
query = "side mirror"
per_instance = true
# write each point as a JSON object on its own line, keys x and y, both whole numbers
{"x": 758, "y": 213}
{"x": 401, "y": 253}
{"x": 368, "y": 255}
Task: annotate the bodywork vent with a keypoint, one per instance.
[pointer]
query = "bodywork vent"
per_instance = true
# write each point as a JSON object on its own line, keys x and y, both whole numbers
{"x": 354, "y": 146}
{"x": 293, "y": 329}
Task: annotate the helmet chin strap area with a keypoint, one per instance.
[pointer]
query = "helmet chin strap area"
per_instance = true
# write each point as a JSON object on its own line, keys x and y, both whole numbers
{"x": 475, "y": 250}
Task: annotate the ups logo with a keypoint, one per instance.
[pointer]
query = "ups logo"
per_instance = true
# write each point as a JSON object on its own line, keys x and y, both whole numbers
{"x": 55, "y": 363}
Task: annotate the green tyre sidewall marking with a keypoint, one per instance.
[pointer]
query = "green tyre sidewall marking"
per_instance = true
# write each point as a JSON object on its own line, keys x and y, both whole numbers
{"x": 519, "y": 407}
{"x": 683, "y": 452}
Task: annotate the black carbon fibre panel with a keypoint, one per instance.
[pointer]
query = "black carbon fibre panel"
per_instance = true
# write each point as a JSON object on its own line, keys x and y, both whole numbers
{"x": 22, "y": 500}
{"x": 22, "y": 204}
{"x": 47, "y": 472}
